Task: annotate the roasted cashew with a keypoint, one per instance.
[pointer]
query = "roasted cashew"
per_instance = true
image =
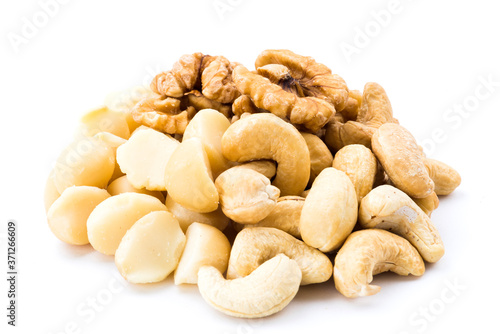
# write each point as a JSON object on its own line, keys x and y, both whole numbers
{"x": 445, "y": 178}
{"x": 253, "y": 246}
{"x": 428, "y": 204}
{"x": 330, "y": 211}
{"x": 388, "y": 208}
{"x": 399, "y": 154}
{"x": 319, "y": 154}
{"x": 264, "y": 292}
{"x": 369, "y": 252}
{"x": 245, "y": 195}
{"x": 265, "y": 167}
{"x": 266, "y": 136}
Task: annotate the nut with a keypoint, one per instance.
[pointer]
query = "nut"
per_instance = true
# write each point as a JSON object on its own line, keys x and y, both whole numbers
{"x": 330, "y": 211}
{"x": 285, "y": 216}
{"x": 319, "y": 155}
{"x": 244, "y": 104}
{"x": 122, "y": 185}
{"x": 369, "y": 252}
{"x": 360, "y": 165}
{"x": 144, "y": 158}
{"x": 50, "y": 193}
{"x": 265, "y": 136}
{"x": 445, "y": 178}
{"x": 195, "y": 193}
{"x": 253, "y": 246}
{"x": 399, "y": 154}
{"x": 110, "y": 220}
{"x": 350, "y": 112}
{"x": 67, "y": 216}
{"x": 246, "y": 196}
{"x": 197, "y": 100}
{"x": 187, "y": 217}
{"x": 151, "y": 248}
{"x": 104, "y": 119}
{"x": 264, "y": 167}
{"x": 264, "y": 292}
{"x": 205, "y": 246}
{"x": 388, "y": 208}
{"x": 428, "y": 204}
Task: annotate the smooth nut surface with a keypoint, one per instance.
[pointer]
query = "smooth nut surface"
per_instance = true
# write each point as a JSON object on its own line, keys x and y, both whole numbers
{"x": 253, "y": 246}
{"x": 319, "y": 154}
{"x": 399, "y": 154}
{"x": 445, "y": 178}
{"x": 151, "y": 248}
{"x": 330, "y": 211}
{"x": 265, "y": 291}
{"x": 205, "y": 246}
{"x": 388, "y": 208}
{"x": 369, "y": 252}
{"x": 67, "y": 217}
{"x": 266, "y": 136}
{"x": 111, "y": 219}
{"x": 104, "y": 120}
{"x": 122, "y": 185}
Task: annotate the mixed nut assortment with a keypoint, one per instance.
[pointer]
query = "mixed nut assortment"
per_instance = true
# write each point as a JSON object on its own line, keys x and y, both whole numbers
{"x": 276, "y": 177}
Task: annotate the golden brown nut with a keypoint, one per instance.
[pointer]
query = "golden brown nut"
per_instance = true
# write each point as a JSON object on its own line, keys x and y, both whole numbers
{"x": 310, "y": 111}
{"x": 305, "y": 76}
{"x": 199, "y": 102}
{"x": 163, "y": 114}
{"x": 445, "y": 178}
{"x": 217, "y": 82}
{"x": 244, "y": 104}
{"x": 428, "y": 204}
{"x": 320, "y": 155}
{"x": 350, "y": 112}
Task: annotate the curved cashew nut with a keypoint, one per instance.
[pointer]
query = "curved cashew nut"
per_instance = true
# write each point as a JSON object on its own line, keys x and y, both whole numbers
{"x": 445, "y": 178}
{"x": 264, "y": 292}
{"x": 388, "y": 208}
{"x": 266, "y": 136}
{"x": 253, "y": 246}
{"x": 245, "y": 195}
{"x": 399, "y": 154}
{"x": 428, "y": 204}
{"x": 369, "y": 252}
{"x": 320, "y": 155}
{"x": 264, "y": 167}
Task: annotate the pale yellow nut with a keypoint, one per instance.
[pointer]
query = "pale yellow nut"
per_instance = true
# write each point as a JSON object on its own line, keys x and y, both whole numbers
{"x": 85, "y": 162}
{"x": 369, "y": 252}
{"x": 205, "y": 246}
{"x": 104, "y": 120}
{"x": 209, "y": 125}
{"x": 114, "y": 142}
{"x": 122, "y": 185}
{"x": 50, "y": 193}
{"x": 319, "y": 154}
{"x": 428, "y": 204}
{"x": 246, "y": 196}
{"x": 445, "y": 178}
{"x": 388, "y": 208}
{"x": 151, "y": 248}
{"x": 187, "y": 217}
{"x": 264, "y": 292}
{"x": 330, "y": 211}
{"x": 67, "y": 217}
{"x": 264, "y": 167}
{"x": 253, "y": 246}
{"x": 189, "y": 179}
{"x": 285, "y": 215}
{"x": 111, "y": 219}
{"x": 266, "y": 136}
{"x": 144, "y": 157}
{"x": 360, "y": 165}
{"x": 399, "y": 154}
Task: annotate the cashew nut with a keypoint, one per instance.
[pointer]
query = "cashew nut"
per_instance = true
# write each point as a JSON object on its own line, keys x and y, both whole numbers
{"x": 264, "y": 292}
{"x": 264, "y": 167}
{"x": 189, "y": 178}
{"x": 428, "y": 204}
{"x": 285, "y": 215}
{"x": 330, "y": 211}
{"x": 253, "y": 246}
{"x": 151, "y": 248}
{"x": 370, "y": 252}
{"x": 319, "y": 154}
{"x": 205, "y": 246}
{"x": 187, "y": 217}
{"x": 360, "y": 164}
{"x": 246, "y": 196}
{"x": 445, "y": 178}
{"x": 388, "y": 208}
{"x": 399, "y": 154}
{"x": 266, "y": 136}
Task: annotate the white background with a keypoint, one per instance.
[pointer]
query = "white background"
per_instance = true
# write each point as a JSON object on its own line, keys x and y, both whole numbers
{"x": 432, "y": 57}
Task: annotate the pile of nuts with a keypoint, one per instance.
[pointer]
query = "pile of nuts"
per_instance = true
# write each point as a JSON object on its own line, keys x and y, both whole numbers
{"x": 268, "y": 176}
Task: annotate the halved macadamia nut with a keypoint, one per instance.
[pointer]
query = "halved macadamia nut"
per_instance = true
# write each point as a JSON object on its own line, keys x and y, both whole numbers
{"x": 189, "y": 178}
{"x": 209, "y": 125}
{"x": 104, "y": 120}
{"x": 67, "y": 217}
{"x": 111, "y": 219}
{"x": 187, "y": 217}
{"x": 151, "y": 248}
{"x": 122, "y": 185}
{"x": 205, "y": 246}
{"x": 144, "y": 157}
